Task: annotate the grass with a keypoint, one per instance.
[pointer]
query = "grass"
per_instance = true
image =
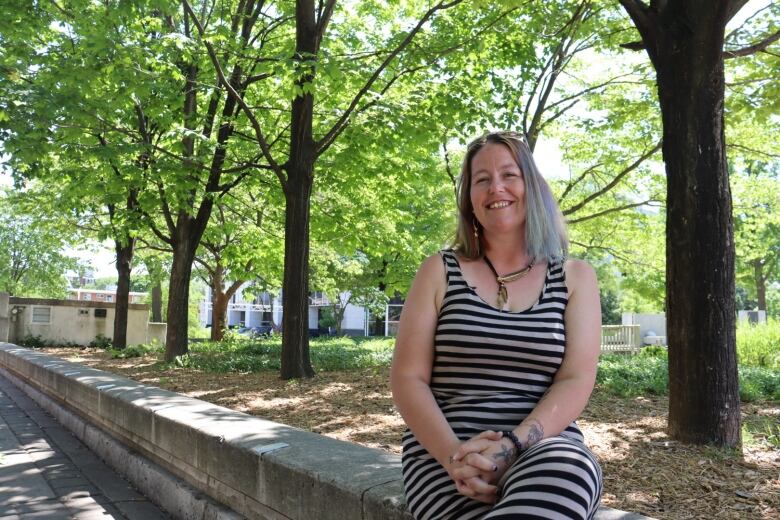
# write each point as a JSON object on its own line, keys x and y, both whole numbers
{"x": 758, "y": 345}
{"x": 237, "y": 354}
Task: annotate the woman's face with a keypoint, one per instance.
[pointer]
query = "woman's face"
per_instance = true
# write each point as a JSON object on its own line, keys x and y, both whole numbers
{"x": 497, "y": 189}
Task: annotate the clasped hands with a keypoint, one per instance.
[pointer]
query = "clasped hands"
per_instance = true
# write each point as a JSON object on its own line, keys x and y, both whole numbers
{"x": 479, "y": 463}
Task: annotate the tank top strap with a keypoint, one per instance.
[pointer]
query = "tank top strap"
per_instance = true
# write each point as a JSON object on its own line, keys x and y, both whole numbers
{"x": 555, "y": 284}
{"x": 452, "y": 270}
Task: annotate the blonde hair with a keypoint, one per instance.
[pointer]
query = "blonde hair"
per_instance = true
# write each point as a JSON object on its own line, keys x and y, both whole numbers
{"x": 545, "y": 229}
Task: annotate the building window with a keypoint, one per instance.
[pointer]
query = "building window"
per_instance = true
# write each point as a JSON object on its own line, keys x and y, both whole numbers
{"x": 109, "y": 298}
{"x": 87, "y": 296}
{"x": 41, "y": 314}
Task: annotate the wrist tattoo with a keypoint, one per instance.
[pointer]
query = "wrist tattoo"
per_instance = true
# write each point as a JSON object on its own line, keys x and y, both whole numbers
{"x": 504, "y": 455}
{"x": 535, "y": 433}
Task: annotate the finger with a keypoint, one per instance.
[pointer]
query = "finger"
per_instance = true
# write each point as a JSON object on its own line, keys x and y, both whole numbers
{"x": 471, "y": 446}
{"x": 463, "y": 489}
{"x": 465, "y": 472}
{"x": 490, "y": 435}
{"x": 481, "y": 462}
{"x": 480, "y": 487}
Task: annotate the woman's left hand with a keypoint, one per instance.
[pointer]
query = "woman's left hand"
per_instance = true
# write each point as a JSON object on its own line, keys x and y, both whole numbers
{"x": 486, "y": 450}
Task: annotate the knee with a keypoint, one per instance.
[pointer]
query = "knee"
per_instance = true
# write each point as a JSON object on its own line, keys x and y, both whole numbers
{"x": 562, "y": 456}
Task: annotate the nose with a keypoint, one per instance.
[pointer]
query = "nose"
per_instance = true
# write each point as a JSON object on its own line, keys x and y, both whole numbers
{"x": 496, "y": 184}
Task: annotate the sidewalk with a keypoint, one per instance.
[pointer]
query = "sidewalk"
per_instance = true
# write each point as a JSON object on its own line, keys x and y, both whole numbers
{"x": 46, "y": 473}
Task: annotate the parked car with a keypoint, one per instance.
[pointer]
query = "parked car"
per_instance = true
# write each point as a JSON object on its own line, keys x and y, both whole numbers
{"x": 256, "y": 331}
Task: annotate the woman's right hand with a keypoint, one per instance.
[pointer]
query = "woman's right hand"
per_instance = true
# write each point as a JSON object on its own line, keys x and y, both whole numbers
{"x": 474, "y": 474}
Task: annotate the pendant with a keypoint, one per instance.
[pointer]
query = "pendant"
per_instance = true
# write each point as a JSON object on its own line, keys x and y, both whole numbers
{"x": 502, "y": 296}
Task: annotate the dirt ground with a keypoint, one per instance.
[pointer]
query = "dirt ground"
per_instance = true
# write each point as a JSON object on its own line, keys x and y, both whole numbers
{"x": 644, "y": 470}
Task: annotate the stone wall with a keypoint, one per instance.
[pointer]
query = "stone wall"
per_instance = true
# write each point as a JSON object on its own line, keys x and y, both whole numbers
{"x": 4, "y": 316}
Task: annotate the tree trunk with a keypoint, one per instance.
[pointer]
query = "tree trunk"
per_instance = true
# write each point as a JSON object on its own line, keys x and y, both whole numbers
{"x": 157, "y": 303}
{"x": 758, "y": 269}
{"x": 300, "y": 178}
{"x": 295, "y": 297}
{"x": 124, "y": 260}
{"x": 219, "y": 304}
{"x": 703, "y": 385}
{"x": 184, "y": 246}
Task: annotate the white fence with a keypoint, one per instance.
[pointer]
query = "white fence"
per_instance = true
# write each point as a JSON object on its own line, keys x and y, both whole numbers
{"x": 620, "y": 338}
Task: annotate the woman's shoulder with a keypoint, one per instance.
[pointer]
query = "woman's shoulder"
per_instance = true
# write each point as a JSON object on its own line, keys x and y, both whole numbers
{"x": 579, "y": 274}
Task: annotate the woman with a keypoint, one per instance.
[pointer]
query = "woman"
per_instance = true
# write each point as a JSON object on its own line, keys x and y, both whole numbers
{"x": 496, "y": 354}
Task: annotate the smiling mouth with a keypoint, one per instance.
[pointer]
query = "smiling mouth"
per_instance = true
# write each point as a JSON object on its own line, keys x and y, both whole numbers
{"x": 498, "y": 205}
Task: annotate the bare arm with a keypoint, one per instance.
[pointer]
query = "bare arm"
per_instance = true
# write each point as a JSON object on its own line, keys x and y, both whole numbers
{"x": 410, "y": 375}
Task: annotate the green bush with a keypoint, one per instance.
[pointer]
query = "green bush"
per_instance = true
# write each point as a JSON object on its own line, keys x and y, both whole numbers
{"x": 648, "y": 373}
{"x": 759, "y": 383}
{"x": 758, "y": 345}
{"x": 629, "y": 376}
{"x": 134, "y": 351}
{"x": 31, "y": 341}
{"x": 100, "y": 341}
{"x": 237, "y": 353}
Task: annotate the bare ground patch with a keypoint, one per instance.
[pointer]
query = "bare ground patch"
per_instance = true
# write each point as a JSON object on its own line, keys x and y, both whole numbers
{"x": 644, "y": 470}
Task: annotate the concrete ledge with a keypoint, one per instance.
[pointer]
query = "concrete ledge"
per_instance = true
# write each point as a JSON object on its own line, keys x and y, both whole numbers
{"x": 260, "y": 469}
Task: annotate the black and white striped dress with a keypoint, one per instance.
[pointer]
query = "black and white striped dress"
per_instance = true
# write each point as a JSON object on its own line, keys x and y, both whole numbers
{"x": 490, "y": 370}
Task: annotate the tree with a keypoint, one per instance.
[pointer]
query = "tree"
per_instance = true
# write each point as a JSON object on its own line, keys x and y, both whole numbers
{"x": 156, "y": 113}
{"x": 345, "y": 281}
{"x": 315, "y": 68}
{"x": 240, "y": 245}
{"x": 757, "y": 229}
{"x": 32, "y": 261}
{"x": 685, "y": 43}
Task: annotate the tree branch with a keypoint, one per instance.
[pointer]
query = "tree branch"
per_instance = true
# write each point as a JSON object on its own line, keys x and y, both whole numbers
{"x": 734, "y": 7}
{"x": 752, "y": 150}
{"x": 571, "y": 185}
{"x": 610, "y": 210}
{"x": 614, "y": 181}
{"x": 752, "y": 49}
{"x": 223, "y": 80}
{"x": 327, "y": 140}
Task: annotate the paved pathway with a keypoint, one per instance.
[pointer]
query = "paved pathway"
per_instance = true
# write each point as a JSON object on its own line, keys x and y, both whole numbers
{"x": 47, "y": 473}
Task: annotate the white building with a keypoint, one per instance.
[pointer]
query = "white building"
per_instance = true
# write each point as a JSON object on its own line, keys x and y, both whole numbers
{"x": 261, "y": 311}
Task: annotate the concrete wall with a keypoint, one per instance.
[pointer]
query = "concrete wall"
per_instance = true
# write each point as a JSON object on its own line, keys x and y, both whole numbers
{"x": 156, "y": 332}
{"x": 647, "y": 323}
{"x": 260, "y": 469}
{"x": 354, "y": 319}
{"x": 4, "y": 317}
{"x": 74, "y": 321}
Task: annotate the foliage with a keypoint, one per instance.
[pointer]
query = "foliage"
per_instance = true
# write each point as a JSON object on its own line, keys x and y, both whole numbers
{"x": 240, "y": 354}
{"x": 648, "y": 373}
{"x": 626, "y": 375}
{"x": 134, "y": 351}
{"x": 34, "y": 341}
{"x": 757, "y": 430}
{"x": 32, "y": 258}
{"x": 757, "y": 226}
{"x": 100, "y": 341}
{"x": 610, "y": 308}
{"x": 758, "y": 345}
{"x": 759, "y": 384}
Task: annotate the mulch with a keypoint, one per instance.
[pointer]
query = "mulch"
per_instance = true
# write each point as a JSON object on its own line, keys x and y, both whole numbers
{"x": 644, "y": 470}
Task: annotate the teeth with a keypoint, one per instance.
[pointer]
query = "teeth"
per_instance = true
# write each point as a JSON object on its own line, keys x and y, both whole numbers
{"x": 497, "y": 205}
